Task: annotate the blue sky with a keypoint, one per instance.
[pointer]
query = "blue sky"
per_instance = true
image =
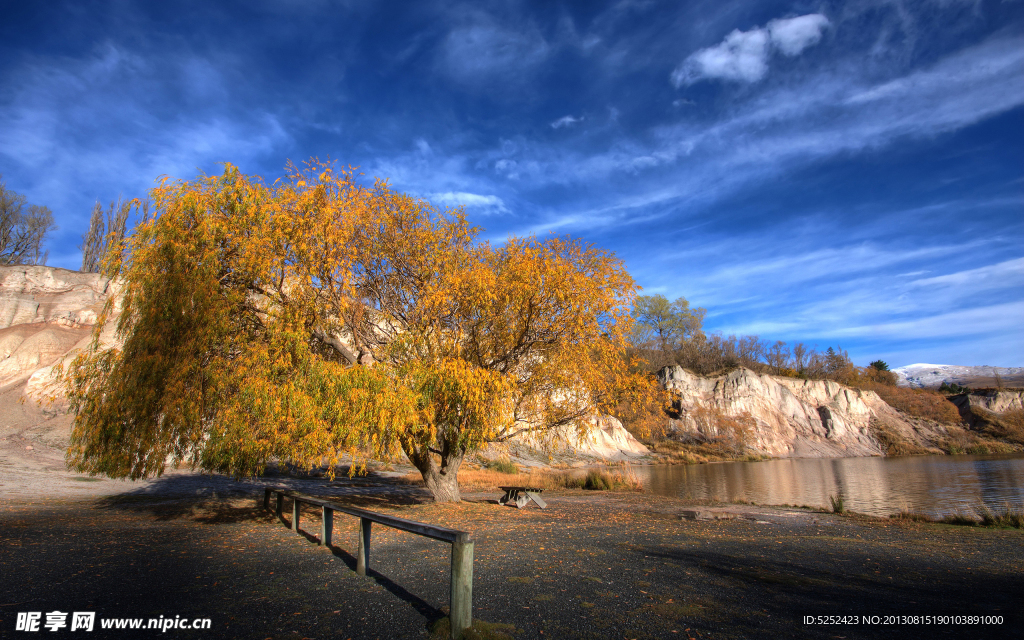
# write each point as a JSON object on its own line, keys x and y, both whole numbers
{"x": 835, "y": 173}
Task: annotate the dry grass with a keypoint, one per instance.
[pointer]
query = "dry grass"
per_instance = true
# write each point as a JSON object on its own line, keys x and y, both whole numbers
{"x": 920, "y": 403}
{"x": 675, "y": 452}
{"x": 960, "y": 441}
{"x": 623, "y": 479}
{"x": 892, "y": 442}
{"x": 1008, "y": 425}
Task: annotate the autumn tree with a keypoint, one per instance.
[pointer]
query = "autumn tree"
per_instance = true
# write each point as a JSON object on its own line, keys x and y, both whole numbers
{"x": 23, "y": 229}
{"x": 316, "y": 317}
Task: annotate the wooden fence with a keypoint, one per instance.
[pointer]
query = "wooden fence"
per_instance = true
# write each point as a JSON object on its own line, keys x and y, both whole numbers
{"x": 461, "y": 595}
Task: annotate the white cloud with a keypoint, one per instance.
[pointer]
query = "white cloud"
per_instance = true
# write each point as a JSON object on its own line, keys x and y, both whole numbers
{"x": 489, "y": 203}
{"x": 743, "y": 55}
{"x": 793, "y": 35}
{"x": 565, "y": 121}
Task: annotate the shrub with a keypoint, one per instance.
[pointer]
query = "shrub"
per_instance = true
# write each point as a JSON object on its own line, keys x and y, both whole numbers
{"x": 1011, "y": 517}
{"x": 597, "y": 480}
{"x": 838, "y": 503}
{"x": 906, "y": 514}
{"x": 501, "y": 465}
{"x": 953, "y": 389}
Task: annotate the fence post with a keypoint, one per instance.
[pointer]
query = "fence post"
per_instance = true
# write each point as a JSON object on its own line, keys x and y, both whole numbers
{"x": 280, "y": 501}
{"x": 460, "y": 606}
{"x": 295, "y": 514}
{"x": 363, "y": 546}
{"x": 266, "y": 498}
{"x": 326, "y": 526}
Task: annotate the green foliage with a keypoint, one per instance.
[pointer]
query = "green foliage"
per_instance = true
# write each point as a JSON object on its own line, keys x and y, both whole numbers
{"x": 597, "y": 481}
{"x": 501, "y": 465}
{"x": 879, "y": 365}
{"x": 953, "y": 388}
{"x": 663, "y": 323}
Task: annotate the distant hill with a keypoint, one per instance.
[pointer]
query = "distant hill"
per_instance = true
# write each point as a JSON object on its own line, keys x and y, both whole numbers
{"x": 931, "y": 376}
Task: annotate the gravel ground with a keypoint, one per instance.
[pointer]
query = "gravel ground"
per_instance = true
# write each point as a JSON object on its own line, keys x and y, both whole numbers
{"x": 592, "y": 565}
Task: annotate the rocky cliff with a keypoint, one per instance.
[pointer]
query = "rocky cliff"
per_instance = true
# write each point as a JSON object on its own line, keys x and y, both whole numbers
{"x": 46, "y": 315}
{"x": 789, "y": 417}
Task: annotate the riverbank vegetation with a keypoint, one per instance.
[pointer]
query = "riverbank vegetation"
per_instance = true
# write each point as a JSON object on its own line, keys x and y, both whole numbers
{"x": 1009, "y": 518}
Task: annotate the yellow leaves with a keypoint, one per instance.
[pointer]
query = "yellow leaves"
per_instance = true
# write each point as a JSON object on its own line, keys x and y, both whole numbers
{"x": 241, "y": 301}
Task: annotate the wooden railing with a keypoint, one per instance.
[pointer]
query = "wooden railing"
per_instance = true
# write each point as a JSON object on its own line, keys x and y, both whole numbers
{"x": 461, "y": 596}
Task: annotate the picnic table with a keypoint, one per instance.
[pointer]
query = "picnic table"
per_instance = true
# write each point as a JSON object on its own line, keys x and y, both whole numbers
{"x": 522, "y": 496}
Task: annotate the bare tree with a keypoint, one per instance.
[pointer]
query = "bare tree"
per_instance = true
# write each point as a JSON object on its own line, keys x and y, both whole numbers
{"x": 101, "y": 236}
{"x": 800, "y": 355}
{"x": 777, "y": 356}
{"x": 22, "y": 229}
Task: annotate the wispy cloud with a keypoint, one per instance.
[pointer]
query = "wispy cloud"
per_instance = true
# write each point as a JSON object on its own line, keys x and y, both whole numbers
{"x": 486, "y": 204}
{"x": 566, "y": 121}
{"x": 81, "y": 130}
{"x": 487, "y": 51}
{"x": 814, "y": 176}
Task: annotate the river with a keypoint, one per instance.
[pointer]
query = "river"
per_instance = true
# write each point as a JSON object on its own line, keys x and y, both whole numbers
{"x": 933, "y": 485}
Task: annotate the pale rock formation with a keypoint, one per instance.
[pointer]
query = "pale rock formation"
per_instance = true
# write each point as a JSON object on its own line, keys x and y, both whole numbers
{"x": 994, "y": 400}
{"x": 46, "y": 318}
{"x": 605, "y": 439}
{"x": 35, "y": 294}
{"x": 791, "y": 417}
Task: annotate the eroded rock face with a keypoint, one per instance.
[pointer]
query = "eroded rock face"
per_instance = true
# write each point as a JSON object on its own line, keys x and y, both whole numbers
{"x": 996, "y": 400}
{"x": 46, "y": 317}
{"x": 35, "y": 294}
{"x": 788, "y": 417}
{"x": 606, "y": 438}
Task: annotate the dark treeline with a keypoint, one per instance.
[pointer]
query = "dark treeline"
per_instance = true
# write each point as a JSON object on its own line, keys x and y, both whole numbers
{"x": 671, "y": 333}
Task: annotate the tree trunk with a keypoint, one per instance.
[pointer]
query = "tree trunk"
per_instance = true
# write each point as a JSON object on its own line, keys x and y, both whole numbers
{"x": 440, "y": 470}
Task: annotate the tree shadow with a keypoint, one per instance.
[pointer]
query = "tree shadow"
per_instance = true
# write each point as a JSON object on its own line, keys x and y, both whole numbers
{"x": 430, "y": 613}
{"x": 217, "y": 499}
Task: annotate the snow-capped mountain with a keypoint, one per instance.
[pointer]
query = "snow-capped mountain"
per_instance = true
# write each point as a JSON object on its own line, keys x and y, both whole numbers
{"x": 933, "y": 375}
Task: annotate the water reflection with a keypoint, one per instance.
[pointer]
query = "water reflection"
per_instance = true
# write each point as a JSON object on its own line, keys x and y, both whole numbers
{"x": 935, "y": 485}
